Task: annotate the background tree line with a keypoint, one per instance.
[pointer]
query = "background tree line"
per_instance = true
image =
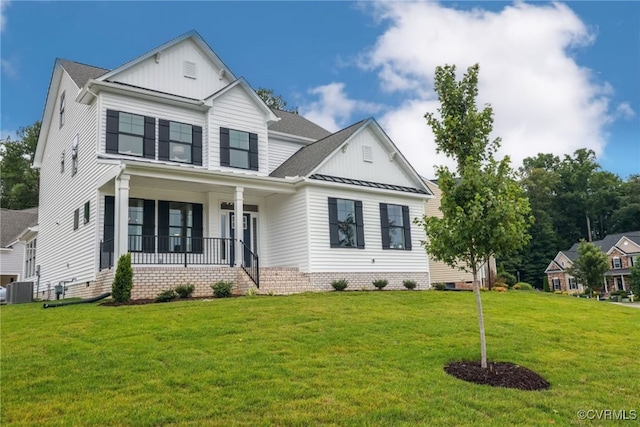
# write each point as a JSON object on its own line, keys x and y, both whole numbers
{"x": 571, "y": 199}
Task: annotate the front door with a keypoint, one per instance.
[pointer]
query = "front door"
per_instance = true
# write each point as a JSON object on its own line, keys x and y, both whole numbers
{"x": 246, "y": 237}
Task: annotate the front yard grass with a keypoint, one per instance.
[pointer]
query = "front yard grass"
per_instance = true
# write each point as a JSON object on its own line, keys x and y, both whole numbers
{"x": 339, "y": 358}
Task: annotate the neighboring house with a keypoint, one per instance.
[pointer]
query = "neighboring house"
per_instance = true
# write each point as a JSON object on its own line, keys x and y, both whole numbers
{"x": 19, "y": 232}
{"x": 167, "y": 155}
{"x": 623, "y": 250}
{"x": 440, "y": 272}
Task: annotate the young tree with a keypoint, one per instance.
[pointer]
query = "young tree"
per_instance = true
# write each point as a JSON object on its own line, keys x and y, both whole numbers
{"x": 635, "y": 280}
{"x": 590, "y": 266}
{"x": 485, "y": 211}
{"x": 123, "y": 280}
{"x": 20, "y": 183}
{"x": 274, "y": 101}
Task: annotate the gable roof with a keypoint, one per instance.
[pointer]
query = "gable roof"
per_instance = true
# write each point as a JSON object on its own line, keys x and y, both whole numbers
{"x": 81, "y": 73}
{"x": 14, "y": 222}
{"x": 608, "y": 242}
{"x": 193, "y": 35}
{"x": 295, "y": 124}
{"x": 244, "y": 85}
{"x": 306, "y": 159}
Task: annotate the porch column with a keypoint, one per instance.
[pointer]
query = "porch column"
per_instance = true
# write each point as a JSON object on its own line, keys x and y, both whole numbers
{"x": 239, "y": 228}
{"x": 623, "y": 286}
{"x": 121, "y": 243}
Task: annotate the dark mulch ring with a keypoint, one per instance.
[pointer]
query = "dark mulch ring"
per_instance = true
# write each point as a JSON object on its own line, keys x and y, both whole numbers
{"x": 498, "y": 374}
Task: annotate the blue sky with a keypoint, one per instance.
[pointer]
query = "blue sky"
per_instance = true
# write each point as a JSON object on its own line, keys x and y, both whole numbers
{"x": 560, "y": 76}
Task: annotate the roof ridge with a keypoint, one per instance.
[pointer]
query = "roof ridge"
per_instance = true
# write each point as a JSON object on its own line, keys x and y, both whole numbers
{"x": 83, "y": 64}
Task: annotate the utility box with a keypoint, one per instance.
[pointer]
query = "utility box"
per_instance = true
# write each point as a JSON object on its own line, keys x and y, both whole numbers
{"x": 19, "y": 292}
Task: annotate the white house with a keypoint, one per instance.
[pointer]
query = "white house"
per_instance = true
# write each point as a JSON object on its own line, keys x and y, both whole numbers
{"x": 19, "y": 231}
{"x": 167, "y": 155}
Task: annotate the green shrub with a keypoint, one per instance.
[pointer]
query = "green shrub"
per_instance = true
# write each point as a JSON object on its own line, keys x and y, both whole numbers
{"x": 185, "y": 291}
{"x": 222, "y": 289}
{"x": 123, "y": 281}
{"x": 166, "y": 296}
{"x": 340, "y": 284}
{"x": 251, "y": 292}
{"x": 497, "y": 288}
{"x": 545, "y": 284}
{"x": 409, "y": 284}
{"x": 439, "y": 286}
{"x": 523, "y": 286}
{"x": 380, "y": 283}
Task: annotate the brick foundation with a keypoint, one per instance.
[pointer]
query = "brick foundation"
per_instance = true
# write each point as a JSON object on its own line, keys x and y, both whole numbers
{"x": 363, "y": 281}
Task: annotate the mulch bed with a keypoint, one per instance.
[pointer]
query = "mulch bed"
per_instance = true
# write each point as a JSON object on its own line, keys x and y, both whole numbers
{"x": 498, "y": 374}
{"x": 112, "y": 303}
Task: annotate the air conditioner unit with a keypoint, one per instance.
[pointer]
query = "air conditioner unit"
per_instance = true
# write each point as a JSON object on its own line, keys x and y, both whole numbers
{"x": 19, "y": 292}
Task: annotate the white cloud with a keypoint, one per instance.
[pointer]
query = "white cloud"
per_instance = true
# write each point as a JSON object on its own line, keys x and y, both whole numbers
{"x": 625, "y": 111}
{"x": 543, "y": 101}
{"x": 3, "y": 18}
{"x": 334, "y": 108}
{"x": 8, "y": 68}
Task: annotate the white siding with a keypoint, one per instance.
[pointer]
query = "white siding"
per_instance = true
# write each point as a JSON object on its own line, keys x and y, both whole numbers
{"x": 373, "y": 257}
{"x": 62, "y": 252}
{"x": 236, "y": 110}
{"x": 287, "y": 235}
{"x": 167, "y": 75}
{"x": 12, "y": 261}
{"x": 109, "y": 101}
{"x": 280, "y": 150}
{"x": 350, "y": 163}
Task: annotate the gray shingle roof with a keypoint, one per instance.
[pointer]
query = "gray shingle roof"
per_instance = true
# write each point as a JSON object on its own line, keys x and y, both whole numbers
{"x": 81, "y": 73}
{"x": 294, "y": 124}
{"x": 605, "y": 244}
{"x": 13, "y": 223}
{"x": 306, "y": 159}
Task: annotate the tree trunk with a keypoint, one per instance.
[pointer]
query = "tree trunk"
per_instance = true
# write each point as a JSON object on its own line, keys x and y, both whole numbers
{"x": 586, "y": 214}
{"x": 483, "y": 340}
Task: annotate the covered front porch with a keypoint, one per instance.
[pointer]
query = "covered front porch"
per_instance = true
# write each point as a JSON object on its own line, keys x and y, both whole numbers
{"x": 172, "y": 216}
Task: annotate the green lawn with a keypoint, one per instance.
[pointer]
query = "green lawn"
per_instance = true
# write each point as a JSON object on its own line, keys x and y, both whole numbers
{"x": 353, "y": 358}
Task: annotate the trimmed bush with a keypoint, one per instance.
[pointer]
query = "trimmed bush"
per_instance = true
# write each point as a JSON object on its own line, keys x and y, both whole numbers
{"x": 123, "y": 280}
{"x": 409, "y": 284}
{"x": 185, "y": 291}
{"x": 523, "y": 286}
{"x": 380, "y": 283}
{"x": 340, "y": 284}
{"x": 439, "y": 286}
{"x": 166, "y": 296}
{"x": 545, "y": 284}
{"x": 222, "y": 289}
{"x": 499, "y": 288}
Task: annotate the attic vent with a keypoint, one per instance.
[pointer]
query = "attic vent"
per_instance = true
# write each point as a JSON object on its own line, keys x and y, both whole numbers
{"x": 367, "y": 153}
{"x": 190, "y": 69}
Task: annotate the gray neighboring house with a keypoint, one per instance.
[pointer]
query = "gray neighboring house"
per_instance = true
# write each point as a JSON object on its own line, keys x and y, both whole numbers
{"x": 19, "y": 232}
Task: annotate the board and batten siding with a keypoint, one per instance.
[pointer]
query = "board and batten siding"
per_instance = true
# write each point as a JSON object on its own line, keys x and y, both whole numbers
{"x": 349, "y": 163}
{"x": 280, "y": 150}
{"x": 62, "y": 252}
{"x": 167, "y": 73}
{"x": 287, "y": 234}
{"x": 324, "y": 258}
{"x": 158, "y": 110}
{"x": 236, "y": 110}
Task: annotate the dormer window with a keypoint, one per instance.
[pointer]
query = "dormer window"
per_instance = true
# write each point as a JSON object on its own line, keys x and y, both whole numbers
{"x": 62, "y": 107}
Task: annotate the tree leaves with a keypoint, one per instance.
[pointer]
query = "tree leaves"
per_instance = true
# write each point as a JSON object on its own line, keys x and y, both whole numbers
{"x": 20, "y": 183}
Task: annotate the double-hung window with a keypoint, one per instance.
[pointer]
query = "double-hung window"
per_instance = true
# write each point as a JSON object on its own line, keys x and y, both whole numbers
{"x": 346, "y": 228}
{"x": 556, "y": 283}
{"x": 130, "y": 134}
{"x": 238, "y": 149}
{"x": 179, "y": 142}
{"x": 180, "y": 138}
{"x": 136, "y": 221}
{"x": 572, "y": 283}
{"x": 180, "y": 227}
{"x": 30, "y": 259}
{"x": 395, "y": 227}
{"x": 616, "y": 263}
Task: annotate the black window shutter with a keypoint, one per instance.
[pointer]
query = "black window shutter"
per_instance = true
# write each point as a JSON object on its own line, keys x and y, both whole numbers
{"x": 224, "y": 147}
{"x": 149, "y": 226}
{"x": 196, "y": 146}
{"x": 109, "y": 218}
{"x": 196, "y": 232}
{"x": 384, "y": 225}
{"x": 113, "y": 118}
{"x": 163, "y": 140}
{"x": 359, "y": 224}
{"x": 407, "y": 228}
{"x": 163, "y": 226}
{"x": 253, "y": 151}
{"x": 333, "y": 223}
{"x": 149, "y": 138}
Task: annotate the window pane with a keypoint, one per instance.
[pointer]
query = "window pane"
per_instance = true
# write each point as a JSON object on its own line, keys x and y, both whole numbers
{"x": 128, "y": 144}
{"x": 238, "y": 139}
{"x": 136, "y": 211}
{"x": 180, "y": 152}
{"x": 394, "y": 214}
{"x": 396, "y": 237}
{"x": 239, "y": 159}
{"x": 347, "y": 235}
{"x": 346, "y": 211}
{"x": 175, "y": 217}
